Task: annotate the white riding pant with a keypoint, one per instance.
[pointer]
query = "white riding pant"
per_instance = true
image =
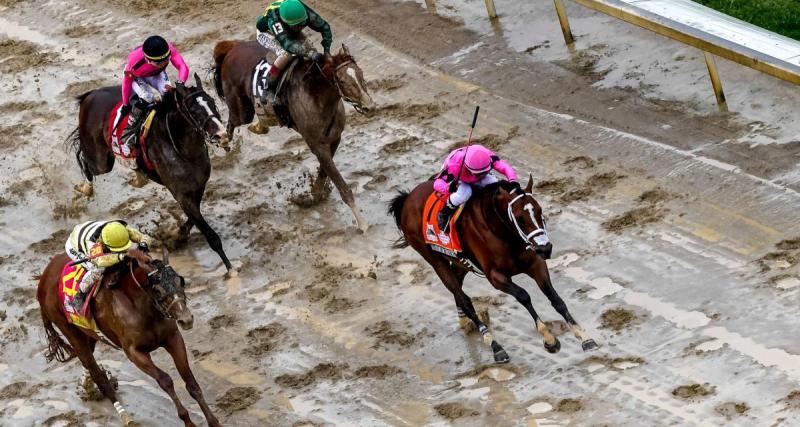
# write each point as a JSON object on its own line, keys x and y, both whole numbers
{"x": 464, "y": 191}
{"x": 270, "y": 42}
{"x": 147, "y": 87}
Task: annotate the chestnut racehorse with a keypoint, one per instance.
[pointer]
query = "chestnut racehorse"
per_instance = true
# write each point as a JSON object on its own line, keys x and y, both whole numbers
{"x": 139, "y": 314}
{"x": 503, "y": 232}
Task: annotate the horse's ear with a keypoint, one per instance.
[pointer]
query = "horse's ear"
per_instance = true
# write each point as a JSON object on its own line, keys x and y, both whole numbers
{"x": 529, "y": 187}
{"x": 165, "y": 255}
{"x": 345, "y": 50}
{"x": 197, "y": 81}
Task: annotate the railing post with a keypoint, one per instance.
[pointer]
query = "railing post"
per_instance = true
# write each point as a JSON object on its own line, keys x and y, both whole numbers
{"x": 562, "y": 19}
{"x": 716, "y": 82}
{"x": 490, "y": 9}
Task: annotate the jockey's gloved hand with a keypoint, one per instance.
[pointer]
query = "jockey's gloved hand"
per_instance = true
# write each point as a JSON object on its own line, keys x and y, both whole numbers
{"x": 453, "y": 187}
{"x": 317, "y": 57}
{"x": 143, "y": 246}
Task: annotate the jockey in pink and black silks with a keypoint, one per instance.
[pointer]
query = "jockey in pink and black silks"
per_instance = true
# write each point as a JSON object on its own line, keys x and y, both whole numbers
{"x": 145, "y": 81}
{"x": 464, "y": 168}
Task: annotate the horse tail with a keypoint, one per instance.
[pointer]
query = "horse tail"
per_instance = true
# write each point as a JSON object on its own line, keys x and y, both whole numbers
{"x": 220, "y": 51}
{"x": 396, "y": 209}
{"x": 57, "y": 348}
{"x": 73, "y": 143}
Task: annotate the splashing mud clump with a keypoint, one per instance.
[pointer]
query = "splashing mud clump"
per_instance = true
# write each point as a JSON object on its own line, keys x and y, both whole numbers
{"x": 454, "y": 410}
{"x": 692, "y": 391}
{"x": 238, "y": 399}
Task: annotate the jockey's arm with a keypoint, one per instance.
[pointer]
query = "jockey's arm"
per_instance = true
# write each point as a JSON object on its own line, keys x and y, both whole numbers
{"x": 503, "y": 167}
{"x": 106, "y": 261}
{"x": 316, "y": 23}
{"x": 177, "y": 61}
{"x": 295, "y": 47}
{"x": 139, "y": 237}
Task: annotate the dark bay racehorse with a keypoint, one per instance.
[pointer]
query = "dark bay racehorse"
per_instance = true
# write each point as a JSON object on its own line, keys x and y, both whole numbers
{"x": 503, "y": 232}
{"x": 185, "y": 121}
{"x": 314, "y": 97}
{"x": 139, "y": 315}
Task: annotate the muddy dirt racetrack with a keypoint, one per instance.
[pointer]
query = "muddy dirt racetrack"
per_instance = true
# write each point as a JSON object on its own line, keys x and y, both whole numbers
{"x": 675, "y": 227}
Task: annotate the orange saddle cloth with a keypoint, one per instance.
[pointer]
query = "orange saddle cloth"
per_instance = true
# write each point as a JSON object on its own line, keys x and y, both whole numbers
{"x": 67, "y": 288}
{"x": 446, "y": 243}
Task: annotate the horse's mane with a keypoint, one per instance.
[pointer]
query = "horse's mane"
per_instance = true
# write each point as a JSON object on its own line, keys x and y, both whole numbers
{"x": 328, "y": 69}
{"x": 492, "y": 188}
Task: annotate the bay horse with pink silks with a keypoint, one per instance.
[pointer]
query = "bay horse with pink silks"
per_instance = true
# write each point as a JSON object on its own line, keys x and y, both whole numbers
{"x": 140, "y": 313}
{"x": 503, "y": 233}
{"x": 312, "y": 94}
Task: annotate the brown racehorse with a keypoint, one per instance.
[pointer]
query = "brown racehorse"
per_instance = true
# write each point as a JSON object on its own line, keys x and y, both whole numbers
{"x": 138, "y": 315}
{"x": 313, "y": 95}
{"x": 185, "y": 121}
{"x": 503, "y": 232}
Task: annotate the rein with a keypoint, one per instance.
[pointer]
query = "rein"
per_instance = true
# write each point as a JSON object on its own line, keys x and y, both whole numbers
{"x": 198, "y": 127}
{"x": 335, "y": 83}
{"x": 533, "y": 234}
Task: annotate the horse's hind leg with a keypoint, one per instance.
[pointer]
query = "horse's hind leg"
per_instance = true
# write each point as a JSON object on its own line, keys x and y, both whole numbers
{"x": 145, "y": 363}
{"x": 84, "y": 346}
{"x": 326, "y": 164}
{"x": 322, "y": 177}
{"x": 454, "y": 281}
{"x": 191, "y": 206}
{"x": 504, "y": 283}
{"x": 177, "y": 349}
{"x": 539, "y": 273}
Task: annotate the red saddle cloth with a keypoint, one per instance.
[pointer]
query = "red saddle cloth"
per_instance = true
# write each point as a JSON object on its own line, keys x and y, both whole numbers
{"x": 67, "y": 288}
{"x": 446, "y": 243}
{"x": 117, "y": 125}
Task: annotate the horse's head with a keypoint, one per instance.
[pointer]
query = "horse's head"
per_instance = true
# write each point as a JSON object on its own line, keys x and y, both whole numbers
{"x": 199, "y": 109}
{"x": 165, "y": 286}
{"x": 525, "y": 215}
{"x": 349, "y": 80}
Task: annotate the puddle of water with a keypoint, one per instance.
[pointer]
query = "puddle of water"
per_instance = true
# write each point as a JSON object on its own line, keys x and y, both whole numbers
{"x": 21, "y": 32}
{"x": 682, "y": 318}
{"x": 625, "y": 365}
{"x": 540, "y": 408}
{"x": 594, "y": 367}
{"x": 788, "y": 283}
{"x": 230, "y": 372}
{"x": 786, "y": 362}
{"x": 710, "y": 345}
{"x": 499, "y": 374}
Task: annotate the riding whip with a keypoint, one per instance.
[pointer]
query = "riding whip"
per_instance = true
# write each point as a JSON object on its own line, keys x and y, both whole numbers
{"x": 469, "y": 142}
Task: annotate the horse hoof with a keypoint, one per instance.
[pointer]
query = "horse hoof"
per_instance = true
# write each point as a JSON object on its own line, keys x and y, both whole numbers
{"x": 501, "y": 357}
{"x": 258, "y": 129}
{"x": 589, "y": 345}
{"x": 85, "y": 188}
{"x": 554, "y": 348}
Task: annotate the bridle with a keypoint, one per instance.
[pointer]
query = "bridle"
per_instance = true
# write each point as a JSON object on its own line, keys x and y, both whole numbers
{"x": 163, "y": 310}
{"x": 539, "y": 235}
{"x": 335, "y": 83}
{"x": 184, "y": 111}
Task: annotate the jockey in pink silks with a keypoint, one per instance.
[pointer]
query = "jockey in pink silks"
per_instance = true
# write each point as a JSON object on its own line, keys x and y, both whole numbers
{"x": 145, "y": 75}
{"x": 478, "y": 163}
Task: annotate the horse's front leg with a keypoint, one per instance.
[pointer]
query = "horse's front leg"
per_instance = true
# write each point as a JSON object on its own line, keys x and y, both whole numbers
{"x": 143, "y": 361}
{"x": 538, "y": 271}
{"x": 327, "y": 166}
{"x": 177, "y": 349}
{"x": 503, "y": 282}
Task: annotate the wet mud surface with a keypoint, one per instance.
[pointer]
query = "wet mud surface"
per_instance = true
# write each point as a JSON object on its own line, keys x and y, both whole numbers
{"x": 674, "y": 229}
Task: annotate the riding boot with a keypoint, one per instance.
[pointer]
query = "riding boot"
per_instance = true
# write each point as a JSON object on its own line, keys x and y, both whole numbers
{"x": 443, "y": 218}
{"x": 269, "y": 95}
{"x": 131, "y": 132}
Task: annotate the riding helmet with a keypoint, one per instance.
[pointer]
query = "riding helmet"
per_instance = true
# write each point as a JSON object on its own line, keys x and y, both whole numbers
{"x": 115, "y": 236}
{"x": 156, "y": 48}
{"x": 478, "y": 160}
{"x": 293, "y": 12}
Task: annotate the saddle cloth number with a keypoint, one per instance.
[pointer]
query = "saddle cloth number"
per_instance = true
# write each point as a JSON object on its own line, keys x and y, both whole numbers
{"x": 260, "y": 78}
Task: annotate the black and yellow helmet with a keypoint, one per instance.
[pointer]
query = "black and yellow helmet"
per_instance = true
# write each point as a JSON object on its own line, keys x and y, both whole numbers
{"x": 156, "y": 49}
